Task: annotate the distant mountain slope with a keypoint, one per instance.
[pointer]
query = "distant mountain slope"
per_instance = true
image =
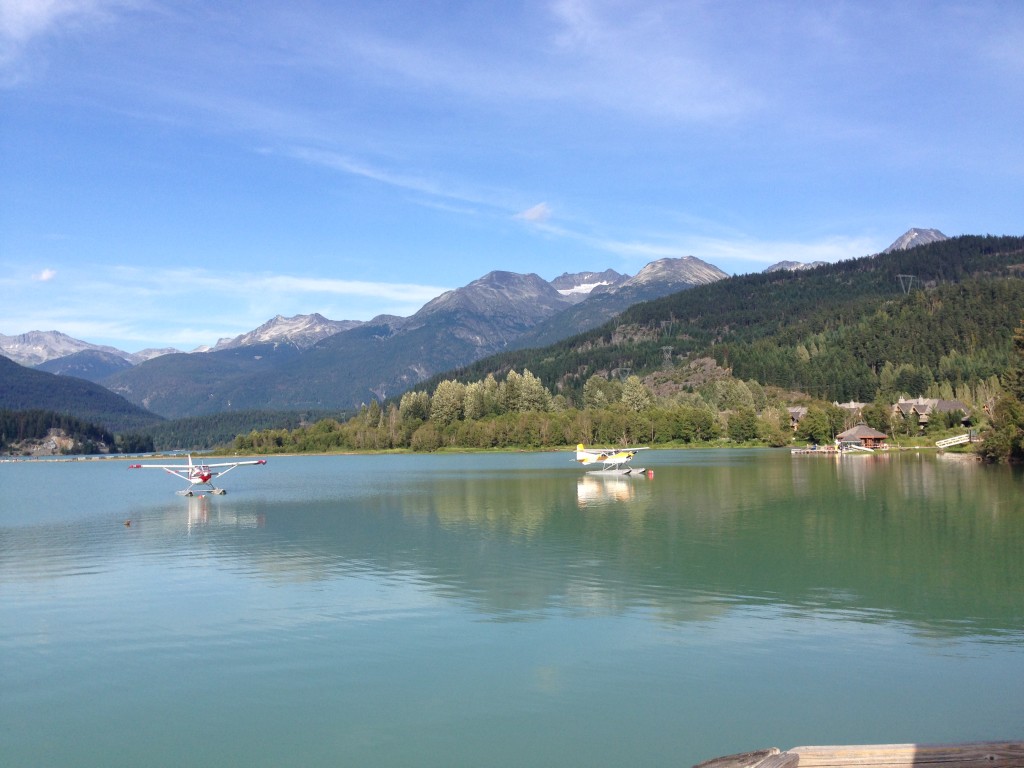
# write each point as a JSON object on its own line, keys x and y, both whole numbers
{"x": 659, "y": 278}
{"x": 89, "y": 364}
{"x": 24, "y": 389}
{"x": 182, "y": 385}
{"x": 794, "y": 265}
{"x": 301, "y": 330}
{"x": 914, "y": 237}
{"x": 379, "y": 358}
{"x": 37, "y": 347}
{"x": 577, "y": 286}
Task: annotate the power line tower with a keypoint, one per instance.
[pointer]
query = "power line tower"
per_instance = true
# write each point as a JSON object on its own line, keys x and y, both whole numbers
{"x": 666, "y": 356}
{"x": 907, "y": 282}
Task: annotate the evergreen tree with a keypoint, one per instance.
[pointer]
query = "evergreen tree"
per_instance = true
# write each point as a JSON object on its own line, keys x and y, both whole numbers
{"x": 635, "y": 395}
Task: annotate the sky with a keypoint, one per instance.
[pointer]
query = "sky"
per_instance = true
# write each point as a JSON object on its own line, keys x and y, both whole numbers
{"x": 173, "y": 173}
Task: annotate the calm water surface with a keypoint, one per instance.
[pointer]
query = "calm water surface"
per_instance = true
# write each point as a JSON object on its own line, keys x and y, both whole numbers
{"x": 504, "y": 610}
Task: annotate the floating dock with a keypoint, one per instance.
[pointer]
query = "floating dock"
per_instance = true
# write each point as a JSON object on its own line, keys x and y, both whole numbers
{"x": 987, "y": 754}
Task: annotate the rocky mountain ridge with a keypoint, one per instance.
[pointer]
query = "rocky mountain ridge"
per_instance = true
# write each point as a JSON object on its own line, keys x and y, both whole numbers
{"x": 42, "y": 348}
{"x": 301, "y": 330}
{"x": 36, "y": 348}
{"x": 794, "y": 265}
{"x": 914, "y": 237}
{"x": 386, "y": 356}
{"x": 577, "y": 286}
{"x": 308, "y": 361}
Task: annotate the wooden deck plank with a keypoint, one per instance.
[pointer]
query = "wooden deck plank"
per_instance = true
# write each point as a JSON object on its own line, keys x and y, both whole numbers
{"x": 742, "y": 760}
{"x": 986, "y": 754}
{"x": 977, "y": 755}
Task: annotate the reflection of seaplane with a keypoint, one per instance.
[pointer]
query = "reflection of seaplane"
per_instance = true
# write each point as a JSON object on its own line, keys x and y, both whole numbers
{"x": 596, "y": 491}
{"x": 614, "y": 460}
{"x": 198, "y": 476}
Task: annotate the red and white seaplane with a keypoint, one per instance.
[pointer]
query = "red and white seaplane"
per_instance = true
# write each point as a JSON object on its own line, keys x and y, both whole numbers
{"x": 614, "y": 460}
{"x": 198, "y": 476}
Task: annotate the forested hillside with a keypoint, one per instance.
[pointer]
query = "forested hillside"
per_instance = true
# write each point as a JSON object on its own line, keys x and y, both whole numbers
{"x": 22, "y": 428}
{"x": 940, "y": 313}
{"x": 211, "y": 430}
{"x": 26, "y": 389}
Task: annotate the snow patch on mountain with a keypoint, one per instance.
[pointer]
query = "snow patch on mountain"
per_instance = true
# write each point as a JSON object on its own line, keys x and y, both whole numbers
{"x": 577, "y": 286}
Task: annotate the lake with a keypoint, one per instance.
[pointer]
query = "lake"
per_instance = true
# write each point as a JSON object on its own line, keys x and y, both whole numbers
{"x": 507, "y": 610}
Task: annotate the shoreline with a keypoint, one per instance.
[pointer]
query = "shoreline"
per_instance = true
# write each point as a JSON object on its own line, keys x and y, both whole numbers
{"x": 219, "y": 454}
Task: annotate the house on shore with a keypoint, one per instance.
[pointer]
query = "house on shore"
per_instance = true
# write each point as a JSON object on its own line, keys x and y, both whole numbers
{"x": 864, "y": 436}
{"x": 925, "y": 408}
{"x": 796, "y": 413}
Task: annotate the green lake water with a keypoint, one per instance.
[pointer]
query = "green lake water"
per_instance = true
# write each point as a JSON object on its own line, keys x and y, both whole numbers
{"x": 507, "y": 610}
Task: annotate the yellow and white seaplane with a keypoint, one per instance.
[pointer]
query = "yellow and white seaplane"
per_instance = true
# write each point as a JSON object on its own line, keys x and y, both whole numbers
{"x": 198, "y": 476}
{"x": 613, "y": 460}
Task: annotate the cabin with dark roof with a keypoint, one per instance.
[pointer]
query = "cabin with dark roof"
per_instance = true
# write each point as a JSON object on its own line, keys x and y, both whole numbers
{"x": 863, "y": 435}
{"x": 927, "y": 407}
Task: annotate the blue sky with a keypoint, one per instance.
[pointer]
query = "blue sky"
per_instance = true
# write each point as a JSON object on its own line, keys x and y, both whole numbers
{"x": 176, "y": 172}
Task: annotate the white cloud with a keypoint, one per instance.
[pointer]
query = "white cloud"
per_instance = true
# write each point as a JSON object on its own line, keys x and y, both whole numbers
{"x": 46, "y": 275}
{"x": 539, "y": 213}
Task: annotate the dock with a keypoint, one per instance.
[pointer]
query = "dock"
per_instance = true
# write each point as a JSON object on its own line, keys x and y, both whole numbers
{"x": 987, "y": 754}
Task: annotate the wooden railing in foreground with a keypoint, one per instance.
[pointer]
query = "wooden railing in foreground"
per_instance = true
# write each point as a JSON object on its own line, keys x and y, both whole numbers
{"x": 989, "y": 754}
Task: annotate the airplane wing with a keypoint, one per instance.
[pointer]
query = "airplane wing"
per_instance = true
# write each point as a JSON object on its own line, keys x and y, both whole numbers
{"x": 606, "y": 455}
{"x": 236, "y": 463}
{"x": 231, "y": 464}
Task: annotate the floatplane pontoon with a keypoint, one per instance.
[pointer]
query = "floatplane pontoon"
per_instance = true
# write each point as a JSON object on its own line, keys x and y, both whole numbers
{"x": 613, "y": 460}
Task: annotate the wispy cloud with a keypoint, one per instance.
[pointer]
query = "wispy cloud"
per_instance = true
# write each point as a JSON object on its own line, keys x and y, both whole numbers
{"x": 737, "y": 253}
{"x": 181, "y": 281}
{"x": 22, "y": 21}
{"x": 647, "y": 61}
{"x": 541, "y": 212}
{"x": 425, "y": 185}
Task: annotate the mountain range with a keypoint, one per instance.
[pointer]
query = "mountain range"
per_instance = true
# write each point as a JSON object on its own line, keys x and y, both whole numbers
{"x": 311, "y": 362}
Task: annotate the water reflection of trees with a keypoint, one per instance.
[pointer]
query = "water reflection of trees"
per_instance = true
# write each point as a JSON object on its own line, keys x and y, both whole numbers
{"x": 901, "y": 538}
{"x": 936, "y": 544}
